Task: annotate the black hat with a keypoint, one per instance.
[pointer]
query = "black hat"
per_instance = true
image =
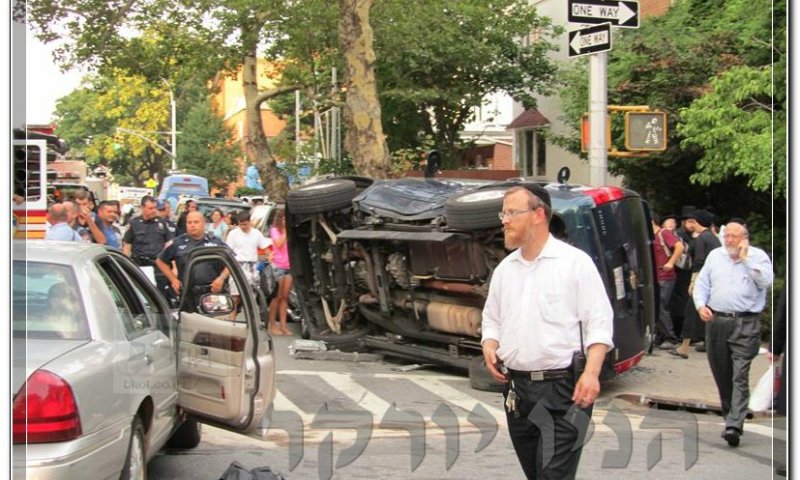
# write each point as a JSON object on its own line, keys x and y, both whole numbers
{"x": 539, "y": 191}
{"x": 668, "y": 216}
{"x": 702, "y": 217}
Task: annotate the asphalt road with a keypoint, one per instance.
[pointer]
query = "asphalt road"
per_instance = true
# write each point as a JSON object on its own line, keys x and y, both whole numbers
{"x": 368, "y": 420}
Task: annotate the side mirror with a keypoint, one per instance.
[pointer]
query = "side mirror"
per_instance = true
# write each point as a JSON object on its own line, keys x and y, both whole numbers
{"x": 216, "y": 304}
{"x": 433, "y": 164}
{"x": 563, "y": 175}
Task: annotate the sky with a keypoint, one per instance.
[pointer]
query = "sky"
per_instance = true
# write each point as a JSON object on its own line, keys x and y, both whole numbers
{"x": 44, "y": 82}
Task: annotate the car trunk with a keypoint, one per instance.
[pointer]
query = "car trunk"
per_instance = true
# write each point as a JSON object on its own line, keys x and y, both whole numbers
{"x": 32, "y": 354}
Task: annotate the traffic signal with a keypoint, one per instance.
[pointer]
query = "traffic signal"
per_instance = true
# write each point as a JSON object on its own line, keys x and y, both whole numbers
{"x": 585, "y": 140}
{"x": 646, "y": 131}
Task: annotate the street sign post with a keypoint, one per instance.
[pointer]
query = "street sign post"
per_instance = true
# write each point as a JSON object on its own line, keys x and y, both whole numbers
{"x": 590, "y": 40}
{"x": 646, "y": 131}
{"x": 619, "y": 13}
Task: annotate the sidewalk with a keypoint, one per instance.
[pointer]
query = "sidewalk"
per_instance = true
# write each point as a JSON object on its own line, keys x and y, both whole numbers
{"x": 664, "y": 378}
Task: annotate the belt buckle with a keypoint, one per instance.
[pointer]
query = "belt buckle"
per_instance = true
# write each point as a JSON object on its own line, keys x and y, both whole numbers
{"x": 537, "y": 376}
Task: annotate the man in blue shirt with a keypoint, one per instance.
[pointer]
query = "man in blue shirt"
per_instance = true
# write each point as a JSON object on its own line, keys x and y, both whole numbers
{"x": 730, "y": 293}
{"x": 106, "y": 216}
{"x": 59, "y": 227}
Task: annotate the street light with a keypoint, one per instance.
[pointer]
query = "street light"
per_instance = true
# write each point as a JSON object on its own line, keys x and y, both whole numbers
{"x": 173, "y": 129}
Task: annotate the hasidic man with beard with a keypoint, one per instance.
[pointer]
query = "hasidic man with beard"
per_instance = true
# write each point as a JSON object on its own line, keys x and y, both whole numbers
{"x": 730, "y": 293}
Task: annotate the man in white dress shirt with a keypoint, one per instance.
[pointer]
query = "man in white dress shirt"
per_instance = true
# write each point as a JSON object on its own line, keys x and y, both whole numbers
{"x": 540, "y": 298}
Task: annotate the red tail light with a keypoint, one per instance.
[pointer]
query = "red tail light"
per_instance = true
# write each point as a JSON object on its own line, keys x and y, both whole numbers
{"x": 603, "y": 195}
{"x": 45, "y": 410}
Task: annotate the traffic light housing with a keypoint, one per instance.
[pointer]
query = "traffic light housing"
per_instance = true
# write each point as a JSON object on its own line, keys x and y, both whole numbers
{"x": 646, "y": 131}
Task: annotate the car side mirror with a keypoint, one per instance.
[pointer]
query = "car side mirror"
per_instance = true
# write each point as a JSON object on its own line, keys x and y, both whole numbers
{"x": 216, "y": 304}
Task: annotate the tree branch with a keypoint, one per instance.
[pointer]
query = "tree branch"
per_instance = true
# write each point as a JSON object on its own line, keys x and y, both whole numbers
{"x": 264, "y": 96}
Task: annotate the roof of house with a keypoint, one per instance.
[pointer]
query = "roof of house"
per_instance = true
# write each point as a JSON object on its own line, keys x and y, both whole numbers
{"x": 527, "y": 119}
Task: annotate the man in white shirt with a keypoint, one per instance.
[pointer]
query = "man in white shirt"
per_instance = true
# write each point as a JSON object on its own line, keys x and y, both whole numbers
{"x": 245, "y": 242}
{"x": 546, "y": 299}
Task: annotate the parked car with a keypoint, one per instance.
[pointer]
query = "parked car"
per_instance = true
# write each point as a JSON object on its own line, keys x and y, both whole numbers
{"x": 206, "y": 205}
{"x": 105, "y": 374}
{"x": 404, "y": 266}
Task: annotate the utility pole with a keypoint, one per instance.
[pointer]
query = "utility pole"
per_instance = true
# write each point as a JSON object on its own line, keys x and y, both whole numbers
{"x": 173, "y": 129}
{"x": 598, "y": 100}
{"x": 297, "y": 125}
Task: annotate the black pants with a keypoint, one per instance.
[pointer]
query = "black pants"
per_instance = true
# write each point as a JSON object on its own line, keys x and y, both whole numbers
{"x": 664, "y": 331}
{"x": 732, "y": 343}
{"x": 545, "y": 435}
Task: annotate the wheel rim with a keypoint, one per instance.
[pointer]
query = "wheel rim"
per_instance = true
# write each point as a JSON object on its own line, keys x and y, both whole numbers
{"x": 136, "y": 460}
{"x": 480, "y": 196}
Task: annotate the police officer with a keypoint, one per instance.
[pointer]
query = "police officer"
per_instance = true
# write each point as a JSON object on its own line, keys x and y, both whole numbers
{"x": 207, "y": 276}
{"x": 164, "y": 207}
{"x": 145, "y": 238}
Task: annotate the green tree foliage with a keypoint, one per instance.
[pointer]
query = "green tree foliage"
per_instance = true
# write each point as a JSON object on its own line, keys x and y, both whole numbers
{"x": 717, "y": 68}
{"x": 207, "y": 146}
{"x": 89, "y": 117}
{"x": 435, "y": 60}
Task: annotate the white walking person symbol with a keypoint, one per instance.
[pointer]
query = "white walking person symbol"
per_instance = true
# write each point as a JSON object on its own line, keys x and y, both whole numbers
{"x": 653, "y": 131}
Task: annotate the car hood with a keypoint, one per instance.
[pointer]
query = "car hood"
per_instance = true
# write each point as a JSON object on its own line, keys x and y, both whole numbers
{"x": 32, "y": 354}
{"x": 406, "y": 198}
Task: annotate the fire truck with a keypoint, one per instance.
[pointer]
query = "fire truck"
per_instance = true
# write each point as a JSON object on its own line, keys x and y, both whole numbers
{"x": 36, "y": 149}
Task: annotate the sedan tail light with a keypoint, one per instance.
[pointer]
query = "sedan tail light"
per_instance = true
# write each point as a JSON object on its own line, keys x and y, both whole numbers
{"x": 45, "y": 410}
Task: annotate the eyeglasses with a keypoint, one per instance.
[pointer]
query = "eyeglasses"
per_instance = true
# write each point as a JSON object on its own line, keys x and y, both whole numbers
{"x": 513, "y": 213}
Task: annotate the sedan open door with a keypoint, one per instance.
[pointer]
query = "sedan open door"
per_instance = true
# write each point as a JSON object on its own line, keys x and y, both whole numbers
{"x": 226, "y": 369}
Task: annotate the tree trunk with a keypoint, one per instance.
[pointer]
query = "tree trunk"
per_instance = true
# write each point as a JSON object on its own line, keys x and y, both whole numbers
{"x": 364, "y": 138}
{"x": 255, "y": 142}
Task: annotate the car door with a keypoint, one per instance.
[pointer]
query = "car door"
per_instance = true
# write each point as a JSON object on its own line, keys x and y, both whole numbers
{"x": 145, "y": 320}
{"x": 226, "y": 370}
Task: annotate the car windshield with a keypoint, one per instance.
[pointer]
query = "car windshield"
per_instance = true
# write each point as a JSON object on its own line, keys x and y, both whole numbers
{"x": 46, "y": 302}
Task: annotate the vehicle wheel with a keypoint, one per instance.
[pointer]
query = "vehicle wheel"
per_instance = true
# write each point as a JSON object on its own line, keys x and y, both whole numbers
{"x": 475, "y": 210}
{"x": 135, "y": 467}
{"x": 349, "y": 341}
{"x": 188, "y": 435}
{"x": 322, "y": 196}
{"x": 481, "y": 379}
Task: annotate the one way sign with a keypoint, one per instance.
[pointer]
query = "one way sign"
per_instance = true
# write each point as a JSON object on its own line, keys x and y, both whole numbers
{"x": 590, "y": 40}
{"x": 622, "y": 13}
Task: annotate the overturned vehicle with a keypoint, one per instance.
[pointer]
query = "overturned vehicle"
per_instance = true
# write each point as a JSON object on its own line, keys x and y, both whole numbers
{"x": 403, "y": 266}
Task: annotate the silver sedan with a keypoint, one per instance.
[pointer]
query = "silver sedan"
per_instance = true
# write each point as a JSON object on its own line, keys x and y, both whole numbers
{"x": 105, "y": 374}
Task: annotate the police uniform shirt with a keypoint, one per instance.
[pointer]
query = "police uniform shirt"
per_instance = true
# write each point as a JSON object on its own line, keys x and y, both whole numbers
{"x": 179, "y": 250}
{"x": 147, "y": 237}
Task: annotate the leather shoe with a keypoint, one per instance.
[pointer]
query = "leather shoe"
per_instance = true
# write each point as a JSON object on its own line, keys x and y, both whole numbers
{"x": 731, "y": 435}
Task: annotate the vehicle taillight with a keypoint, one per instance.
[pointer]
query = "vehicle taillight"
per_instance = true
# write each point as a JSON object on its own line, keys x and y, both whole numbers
{"x": 602, "y": 195}
{"x": 45, "y": 410}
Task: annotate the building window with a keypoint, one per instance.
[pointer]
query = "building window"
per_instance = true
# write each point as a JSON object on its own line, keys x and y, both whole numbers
{"x": 541, "y": 156}
{"x": 527, "y": 153}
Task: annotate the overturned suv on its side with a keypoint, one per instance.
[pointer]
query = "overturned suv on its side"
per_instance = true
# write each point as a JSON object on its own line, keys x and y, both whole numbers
{"x": 403, "y": 266}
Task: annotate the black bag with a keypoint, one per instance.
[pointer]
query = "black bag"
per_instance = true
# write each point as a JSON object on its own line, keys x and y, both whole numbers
{"x": 269, "y": 282}
{"x": 237, "y": 471}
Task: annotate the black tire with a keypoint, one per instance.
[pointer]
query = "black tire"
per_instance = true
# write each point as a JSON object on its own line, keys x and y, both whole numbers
{"x": 475, "y": 210}
{"x": 135, "y": 460}
{"x": 481, "y": 379}
{"x": 349, "y": 341}
{"x": 322, "y": 196}
{"x": 188, "y": 435}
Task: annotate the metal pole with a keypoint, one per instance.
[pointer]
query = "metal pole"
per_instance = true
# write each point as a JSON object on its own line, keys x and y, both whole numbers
{"x": 174, "y": 133}
{"x": 297, "y": 125}
{"x": 598, "y": 88}
{"x": 334, "y": 120}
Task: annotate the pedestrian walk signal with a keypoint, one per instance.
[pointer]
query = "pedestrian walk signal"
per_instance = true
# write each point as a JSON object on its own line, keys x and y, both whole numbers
{"x": 646, "y": 131}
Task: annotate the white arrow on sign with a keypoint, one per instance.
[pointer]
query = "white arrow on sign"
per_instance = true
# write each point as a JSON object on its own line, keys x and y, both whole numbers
{"x": 618, "y": 11}
{"x": 586, "y": 41}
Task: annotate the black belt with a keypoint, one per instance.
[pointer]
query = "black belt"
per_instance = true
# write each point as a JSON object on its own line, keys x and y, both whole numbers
{"x": 541, "y": 375}
{"x": 736, "y": 314}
